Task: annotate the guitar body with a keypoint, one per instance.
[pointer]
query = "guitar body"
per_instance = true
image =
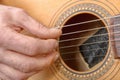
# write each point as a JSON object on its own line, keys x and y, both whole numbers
{"x": 84, "y": 56}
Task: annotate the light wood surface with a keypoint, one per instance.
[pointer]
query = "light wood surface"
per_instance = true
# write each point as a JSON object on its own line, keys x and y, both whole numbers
{"x": 48, "y": 12}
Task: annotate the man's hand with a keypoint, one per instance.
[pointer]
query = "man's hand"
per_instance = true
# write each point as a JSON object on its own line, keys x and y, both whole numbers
{"x": 20, "y": 55}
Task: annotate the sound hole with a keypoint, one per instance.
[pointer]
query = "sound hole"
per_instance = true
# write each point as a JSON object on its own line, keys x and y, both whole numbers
{"x": 84, "y": 45}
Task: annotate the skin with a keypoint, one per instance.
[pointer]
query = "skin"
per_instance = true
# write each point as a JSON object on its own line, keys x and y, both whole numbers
{"x": 18, "y": 51}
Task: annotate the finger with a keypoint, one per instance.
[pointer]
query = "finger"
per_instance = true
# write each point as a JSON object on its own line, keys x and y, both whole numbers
{"x": 34, "y": 27}
{"x": 26, "y": 44}
{"x": 26, "y": 63}
{"x": 4, "y": 77}
{"x": 14, "y": 74}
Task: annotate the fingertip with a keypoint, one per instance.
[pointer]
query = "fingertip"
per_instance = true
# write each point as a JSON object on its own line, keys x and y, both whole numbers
{"x": 56, "y": 29}
{"x": 49, "y": 46}
{"x": 53, "y": 44}
{"x": 57, "y": 32}
{"x": 56, "y": 57}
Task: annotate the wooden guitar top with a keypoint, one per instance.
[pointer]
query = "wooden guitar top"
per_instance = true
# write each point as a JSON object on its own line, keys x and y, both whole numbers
{"x": 89, "y": 45}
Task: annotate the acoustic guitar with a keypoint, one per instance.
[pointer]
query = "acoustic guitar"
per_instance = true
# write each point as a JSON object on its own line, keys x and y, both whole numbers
{"x": 90, "y": 44}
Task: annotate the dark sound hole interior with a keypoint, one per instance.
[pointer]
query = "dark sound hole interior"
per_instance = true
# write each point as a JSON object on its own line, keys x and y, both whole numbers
{"x": 83, "y": 46}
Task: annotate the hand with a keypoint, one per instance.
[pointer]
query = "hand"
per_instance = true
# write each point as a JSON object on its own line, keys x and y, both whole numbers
{"x": 20, "y": 55}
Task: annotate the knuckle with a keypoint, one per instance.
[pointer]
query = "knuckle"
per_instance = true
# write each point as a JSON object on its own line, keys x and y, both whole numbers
{"x": 29, "y": 66}
{"x": 46, "y": 64}
{"x": 49, "y": 45}
{"x": 33, "y": 48}
{"x": 30, "y": 48}
{"x": 26, "y": 67}
{"x": 32, "y": 51}
{"x": 52, "y": 44}
{"x": 19, "y": 10}
{"x": 20, "y": 77}
{"x": 21, "y": 14}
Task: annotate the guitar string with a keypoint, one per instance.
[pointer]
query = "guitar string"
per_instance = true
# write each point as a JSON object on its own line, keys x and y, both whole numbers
{"x": 90, "y": 21}
{"x": 67, "y": 59}
{"x": 86, "y": 31}
{"x": 64, "y": 34}
{"x": 97, "y": 35}
{"x": 91, "y": 49}
{"x": 85, "y": 56}
{"x": 88, "y": 50}
{"x": 88, "y": 44}
{"x": 83, "y": 51}
{"x": 88, "y": 37}
{"x": 79, "y": 38}
{"x": 84, "y": 23}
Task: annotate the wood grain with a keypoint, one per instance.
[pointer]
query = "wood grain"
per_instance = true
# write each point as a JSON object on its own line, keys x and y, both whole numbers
{"x": 50, "y": 12}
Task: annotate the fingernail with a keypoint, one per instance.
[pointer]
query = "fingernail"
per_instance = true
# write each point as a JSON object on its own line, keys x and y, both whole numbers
{"x": 58, "y": 27}
{"x": 56, "y": 45}
{"x": 56, "y": 57}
